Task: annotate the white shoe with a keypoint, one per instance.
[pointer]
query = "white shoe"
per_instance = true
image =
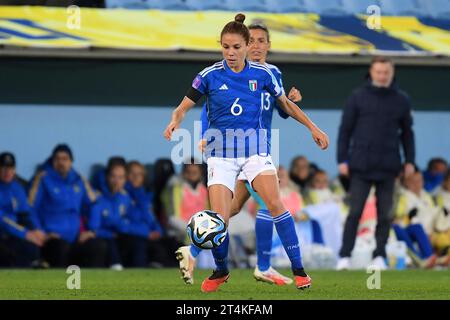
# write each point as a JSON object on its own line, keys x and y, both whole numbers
{"x": 271, "y": 276}
{"x": 187, "y": 264}
{"x": 116, "y": 267}
{"x": 379, "y": 263}
{"x": 343, "y": 264}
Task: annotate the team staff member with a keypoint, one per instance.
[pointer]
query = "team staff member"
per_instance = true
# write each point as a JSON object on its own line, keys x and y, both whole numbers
{"x": 376, "y": 121}
{"x": 58, "y": 197}
{"x": 19, "y": 238}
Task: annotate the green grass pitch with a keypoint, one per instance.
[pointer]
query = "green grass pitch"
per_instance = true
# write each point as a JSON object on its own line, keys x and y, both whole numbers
{"x": 151, "y": 284}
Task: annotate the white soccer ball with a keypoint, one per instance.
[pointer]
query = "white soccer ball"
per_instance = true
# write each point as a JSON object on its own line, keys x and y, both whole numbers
{"x": 206, "y": 229}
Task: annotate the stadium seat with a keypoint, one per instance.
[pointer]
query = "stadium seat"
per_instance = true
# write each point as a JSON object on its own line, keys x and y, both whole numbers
{"x": 439, "y": 9}
{"x": 94, "y": 170}
{"x": 246, "y": 5}
{"x": 207, "y": 5}
{"x": 126, "y": 4}
{"x": 149, "y": 176}
{"x": 358, "y": 6}
{"x": 327, "y": 7}
{"x": 286, "y": 6}
{"x": 168, "y": 4}
{"x": 402, "y": 8}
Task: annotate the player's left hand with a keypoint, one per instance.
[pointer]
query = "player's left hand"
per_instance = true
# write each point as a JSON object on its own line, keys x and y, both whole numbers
{"x": 173, "y": 125}
{"x": 320, "y": 138}
{"x": 295, "y": 95}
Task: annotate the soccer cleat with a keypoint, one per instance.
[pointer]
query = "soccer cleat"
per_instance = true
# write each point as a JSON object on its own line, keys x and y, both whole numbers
{"x": 187, "y": 264}
{"x": 302, "y": 282}
{"x": 116, "y": 267}
{"x": 343, "y": 264}
{"x": 213, "y": 283}
{"x": 271, "y": 276}
{"x": 379, "y": 263}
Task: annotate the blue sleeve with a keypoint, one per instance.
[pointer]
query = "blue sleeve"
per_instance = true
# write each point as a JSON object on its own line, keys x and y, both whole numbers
{"x": 94, "y": 218}
{"x": 137, "y": 229}
{"x": 133, "y": 223}
{"x": 103, "y": 226}
{"x": 11, "y": 227}
{"x": 204, "y": 119}
{"x": 22, "y": 200}
{"x": 271, "y": 84}
{"x": 35, "y": 198}
{"x": 200, "y": 83}
{"x": 23, "y": 208}
{"x": 280, "y": 111}
{"x": 153, "y": 223}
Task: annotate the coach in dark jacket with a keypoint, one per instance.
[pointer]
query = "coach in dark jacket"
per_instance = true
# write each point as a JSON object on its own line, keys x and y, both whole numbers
{"x": 375, "y": 122}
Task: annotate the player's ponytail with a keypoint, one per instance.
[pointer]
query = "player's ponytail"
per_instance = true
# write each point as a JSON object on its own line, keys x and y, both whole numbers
{"x": 238, "y": 27}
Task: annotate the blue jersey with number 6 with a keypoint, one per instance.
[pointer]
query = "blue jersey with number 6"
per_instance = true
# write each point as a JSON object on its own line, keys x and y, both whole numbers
{"x": 268, "y": 103}
{"x": 235, "y": 104}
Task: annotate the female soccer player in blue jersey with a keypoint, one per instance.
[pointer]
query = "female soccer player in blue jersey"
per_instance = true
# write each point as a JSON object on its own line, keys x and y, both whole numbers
{"x": 237, "y": 141}
{"x": 258, "y": 49}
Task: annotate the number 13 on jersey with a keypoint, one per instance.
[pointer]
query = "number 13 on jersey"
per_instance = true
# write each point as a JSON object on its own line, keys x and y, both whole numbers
{"x": 236, "y": 108}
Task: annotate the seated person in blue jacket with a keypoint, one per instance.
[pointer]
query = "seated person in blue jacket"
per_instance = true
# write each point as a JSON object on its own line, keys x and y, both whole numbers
{"x": 160, "y": 247}
{"x": 19, "y": 238}
{"x": 120, "y": 223}
{"x": 58, "y": 197}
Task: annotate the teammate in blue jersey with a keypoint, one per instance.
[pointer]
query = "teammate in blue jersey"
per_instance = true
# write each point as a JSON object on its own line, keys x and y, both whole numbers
{"x": 258, "y": 49}
{"x": 237, "y": 141}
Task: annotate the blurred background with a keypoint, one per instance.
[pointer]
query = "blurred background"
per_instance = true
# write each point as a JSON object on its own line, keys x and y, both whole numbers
{"x": 103, "y": 76}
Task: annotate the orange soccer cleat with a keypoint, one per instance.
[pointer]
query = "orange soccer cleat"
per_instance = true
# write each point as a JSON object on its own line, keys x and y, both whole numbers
{"x": 213, "y": 283}
{"x": 302, "y": 282}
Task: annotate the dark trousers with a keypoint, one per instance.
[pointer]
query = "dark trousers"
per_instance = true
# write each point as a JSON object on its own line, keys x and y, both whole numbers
{"x": 359, "y": 191}
{"x": 161, "y": 252}
{"x": 133, "y": 251}
{"x": 16, "y": 252}
{"x": 91, "y": 254}
{"x": 57, "y": 252}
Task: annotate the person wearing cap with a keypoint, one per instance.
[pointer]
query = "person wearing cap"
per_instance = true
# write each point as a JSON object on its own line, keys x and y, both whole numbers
{"x": 58, "y": 197}
{"x": 19, "y": 238}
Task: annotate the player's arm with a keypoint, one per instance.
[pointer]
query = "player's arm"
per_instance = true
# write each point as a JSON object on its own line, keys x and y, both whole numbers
{"x": 178, "y": 116}
{"x": 320, "y": 137}
{"x": 196, "y": 91}
{"x": 205, "y": 125}
{"x": 293, "y": 95}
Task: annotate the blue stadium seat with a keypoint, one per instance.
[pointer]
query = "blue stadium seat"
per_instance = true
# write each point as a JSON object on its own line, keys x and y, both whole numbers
{"x": 246, "y": 5}
{"x": 207, "y": 5}
{"x": 284, "y": 6}
{"x": 127, "y": 4}
{"x": 327, "y": 7}
{"x": 439, "y": 9}
{"x": 358, "y": 6}
{"x": 168, "y": 4}
{"x": 402, "y": 8}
